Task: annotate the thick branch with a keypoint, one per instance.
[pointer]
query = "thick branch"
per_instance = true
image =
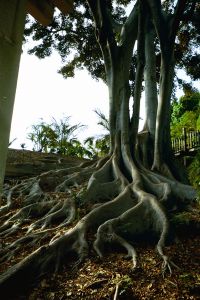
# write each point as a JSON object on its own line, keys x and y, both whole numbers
{"x": 180, "y": 8}
{"x": 103, "y": 23}
{"x": 104, "y": 34}
{"x": 159, "y": 21}
{"x": 129, "y": 29}
{"x": 151, "y": 99}
{"x": 139, "y": 75}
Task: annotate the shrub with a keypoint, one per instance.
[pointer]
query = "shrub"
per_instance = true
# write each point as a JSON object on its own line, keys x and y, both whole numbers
{"x": 194, "y": 173}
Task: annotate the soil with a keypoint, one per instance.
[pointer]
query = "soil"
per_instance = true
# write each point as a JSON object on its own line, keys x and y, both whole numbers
{"x": 26, "y": 163}
{"x": 113, "y": 277}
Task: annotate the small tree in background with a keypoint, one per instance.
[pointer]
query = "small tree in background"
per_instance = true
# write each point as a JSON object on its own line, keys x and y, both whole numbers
{"x": 60, "y": 137}
{"x": 185, "y": 113}
{"x": 39, "y": 136}
{"x": 194, "y": 173}
{"x": 103, "y": 120}
{"x": 57, "y": 137}
{"x": 99, "y": 145}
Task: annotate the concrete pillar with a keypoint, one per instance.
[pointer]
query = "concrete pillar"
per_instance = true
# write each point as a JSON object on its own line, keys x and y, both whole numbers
{"x": 12, "y": 19}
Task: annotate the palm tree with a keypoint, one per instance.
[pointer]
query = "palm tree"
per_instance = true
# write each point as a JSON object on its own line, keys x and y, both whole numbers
{"x": 99, "y": 145}
{"x": 58, "y": 136}
{"x": 103, "y": 120}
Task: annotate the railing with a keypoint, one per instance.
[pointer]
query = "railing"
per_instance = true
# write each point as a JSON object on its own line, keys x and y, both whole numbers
{"x": 188, "y": 142}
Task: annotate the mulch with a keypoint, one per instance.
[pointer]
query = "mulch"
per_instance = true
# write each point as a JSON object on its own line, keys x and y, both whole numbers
{"x": 99, "y": 279}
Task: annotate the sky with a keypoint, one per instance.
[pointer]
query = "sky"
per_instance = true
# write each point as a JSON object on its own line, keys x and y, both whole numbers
{"x": 43, "y": 93}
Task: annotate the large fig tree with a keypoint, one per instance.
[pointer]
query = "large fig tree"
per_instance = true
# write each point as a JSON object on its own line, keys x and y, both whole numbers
{"x": 131, "y": 190}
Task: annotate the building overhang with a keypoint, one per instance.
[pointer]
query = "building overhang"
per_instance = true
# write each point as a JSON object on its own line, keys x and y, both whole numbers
{"x": 43, "y": 10}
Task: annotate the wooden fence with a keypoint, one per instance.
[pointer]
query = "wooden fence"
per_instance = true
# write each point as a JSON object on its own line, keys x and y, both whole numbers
{"x": 190, "y": 141}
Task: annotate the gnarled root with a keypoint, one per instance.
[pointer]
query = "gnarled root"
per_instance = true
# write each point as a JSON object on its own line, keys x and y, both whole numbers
{"x": 129, "y": 204}
{"x": 147, "y": 214}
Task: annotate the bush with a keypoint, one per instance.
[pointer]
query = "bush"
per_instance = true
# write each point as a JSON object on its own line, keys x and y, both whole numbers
{"x": 194, "y": 173}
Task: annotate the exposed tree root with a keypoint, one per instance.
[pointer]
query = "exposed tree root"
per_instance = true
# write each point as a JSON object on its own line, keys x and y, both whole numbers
{"x": 126, "y": 207}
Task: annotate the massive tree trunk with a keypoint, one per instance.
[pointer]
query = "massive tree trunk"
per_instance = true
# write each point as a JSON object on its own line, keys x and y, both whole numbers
{"x": 151, "y": 98}
{"x": 126, "y": 197}
{"x": 162, "y": 135}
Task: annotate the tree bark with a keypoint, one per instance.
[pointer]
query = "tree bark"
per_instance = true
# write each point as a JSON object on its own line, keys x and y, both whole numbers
{"x": 151, "y": 99}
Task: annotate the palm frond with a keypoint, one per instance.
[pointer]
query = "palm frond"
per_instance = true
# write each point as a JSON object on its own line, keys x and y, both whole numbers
{"x": 103, "y": 120}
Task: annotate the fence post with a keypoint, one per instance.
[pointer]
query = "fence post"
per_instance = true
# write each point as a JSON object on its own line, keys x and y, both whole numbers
{"x": 184, "y": 139}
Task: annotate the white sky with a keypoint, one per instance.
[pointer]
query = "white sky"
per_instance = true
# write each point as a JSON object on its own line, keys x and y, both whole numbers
{"x": 43, "y": 93}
